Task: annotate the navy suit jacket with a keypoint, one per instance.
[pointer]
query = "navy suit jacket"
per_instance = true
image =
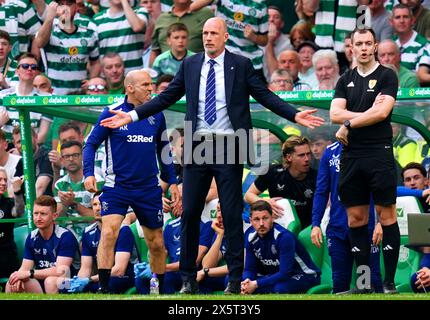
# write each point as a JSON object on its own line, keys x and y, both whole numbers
{"x": 241, "y": 81}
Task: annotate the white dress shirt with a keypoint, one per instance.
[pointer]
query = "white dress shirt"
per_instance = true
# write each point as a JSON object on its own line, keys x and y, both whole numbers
{"x": 222, "y": 124}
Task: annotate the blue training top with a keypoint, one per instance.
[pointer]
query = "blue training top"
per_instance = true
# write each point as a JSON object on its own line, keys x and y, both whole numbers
{"x": 124, "y": 243}
{"x": 44, "y": 253}
{"x": 131, "y": 150}
{"x": 172, "y": 238}
{"x": 277, "y": 256}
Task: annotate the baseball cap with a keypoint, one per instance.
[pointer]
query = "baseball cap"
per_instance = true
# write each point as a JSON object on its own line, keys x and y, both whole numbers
{"x": 308, "y": 43}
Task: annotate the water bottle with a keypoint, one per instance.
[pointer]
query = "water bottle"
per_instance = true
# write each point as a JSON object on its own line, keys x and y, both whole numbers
{"x": 154, "y": 285}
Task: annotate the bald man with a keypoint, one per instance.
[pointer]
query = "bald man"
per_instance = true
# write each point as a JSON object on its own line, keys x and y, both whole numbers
{"x": 42, "y": 84}
{"x": 131, "y": 183}
{"x": 389, "y": 53}
{"x": 290, "y": 60}
{"x": 217, "y": 85}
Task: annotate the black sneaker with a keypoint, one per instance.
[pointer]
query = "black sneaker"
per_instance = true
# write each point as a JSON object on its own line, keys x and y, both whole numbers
{"x": 356, "y": 291}
{"x": 189, "y": 287}
{"x": 390, "y": 288}
{"x": 103, "y": 291}
{"x": 233, "y": 287}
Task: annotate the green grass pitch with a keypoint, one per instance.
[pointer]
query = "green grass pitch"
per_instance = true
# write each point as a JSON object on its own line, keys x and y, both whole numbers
{"x": 27, "y": 296}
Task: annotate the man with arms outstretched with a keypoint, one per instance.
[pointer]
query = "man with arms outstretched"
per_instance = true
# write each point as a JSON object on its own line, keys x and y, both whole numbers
{"x": 217, "y": 85}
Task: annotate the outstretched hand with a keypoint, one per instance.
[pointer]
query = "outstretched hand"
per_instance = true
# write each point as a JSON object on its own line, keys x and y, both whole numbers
{"x": 306, "y": 119}
{"x": 120, "y": 119}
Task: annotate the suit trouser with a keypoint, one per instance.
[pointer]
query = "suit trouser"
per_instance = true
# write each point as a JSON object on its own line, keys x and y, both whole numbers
{"x": 197, "y": 180}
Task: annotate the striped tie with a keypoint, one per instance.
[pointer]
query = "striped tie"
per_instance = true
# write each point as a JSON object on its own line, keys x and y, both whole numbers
{"x": 210, "y": 106}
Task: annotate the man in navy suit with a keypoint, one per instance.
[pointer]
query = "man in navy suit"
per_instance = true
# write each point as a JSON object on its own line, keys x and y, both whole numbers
{"x": 217, "y": 85}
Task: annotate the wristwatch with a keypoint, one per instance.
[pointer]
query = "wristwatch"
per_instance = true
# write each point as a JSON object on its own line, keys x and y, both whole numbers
{"x": 206, "y": 271}
{"x": 32, "y": 274}
{"x": 347, "y": 124}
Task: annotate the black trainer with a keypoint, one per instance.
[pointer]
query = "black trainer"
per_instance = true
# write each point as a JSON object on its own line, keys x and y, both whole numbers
{"x": 189, "y": 287}
{"x": 233, "y": 287}
{"x": 390, "y": 288}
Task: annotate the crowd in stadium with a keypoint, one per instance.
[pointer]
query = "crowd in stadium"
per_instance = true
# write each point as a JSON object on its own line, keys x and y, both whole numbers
{"x": 80, "y": 47}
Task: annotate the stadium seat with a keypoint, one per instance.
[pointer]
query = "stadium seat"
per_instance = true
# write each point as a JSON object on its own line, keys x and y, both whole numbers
{"x": 20, "y": 236}
{"x": 209, "y": 211}
{"x": 321, "y": 259}
{"x": 167, "y": 217}
{"x": 289, "y": 220}
{"x": 141, "y": 246}
{"x": 139, "y": 239}
{"x": 404, "y": 206}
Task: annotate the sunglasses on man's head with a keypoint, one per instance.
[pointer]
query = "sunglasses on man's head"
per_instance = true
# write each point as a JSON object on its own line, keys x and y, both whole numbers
{"x": 96, "y": 87}
{"x": 32, "y": 66}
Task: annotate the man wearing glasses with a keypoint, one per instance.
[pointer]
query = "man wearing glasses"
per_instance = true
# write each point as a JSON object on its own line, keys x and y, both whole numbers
{"x": 26, "y": 71}
{"x": 96, "y": 85}
{"x": 281, "y": 80}
{"x": 69, "y": 47}
{"x": 69, "y": 191}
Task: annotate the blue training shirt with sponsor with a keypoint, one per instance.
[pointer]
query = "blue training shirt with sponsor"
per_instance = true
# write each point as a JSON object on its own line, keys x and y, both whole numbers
{"x": 276, "y": 257}
{"x": 172, "y": 238}
{"x": 327, "y": 185}
{"x": 124, "y": 243}
{"x": 44, "y": 253}
{"x": 132, "y": 151}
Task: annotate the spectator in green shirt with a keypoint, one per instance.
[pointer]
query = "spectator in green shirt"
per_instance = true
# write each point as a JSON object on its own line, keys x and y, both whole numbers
{"x": 7, "y": 65}
{"x": 69, "y": 191}
{"x": 169, "y": 61}
{"x": 180, "y": 13}
{"x": 113, "y": 70}
{"x": 389, "y": 53}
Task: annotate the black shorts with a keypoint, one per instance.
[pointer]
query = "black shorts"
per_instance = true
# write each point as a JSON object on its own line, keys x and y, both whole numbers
{"x": 361, "y": 177}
